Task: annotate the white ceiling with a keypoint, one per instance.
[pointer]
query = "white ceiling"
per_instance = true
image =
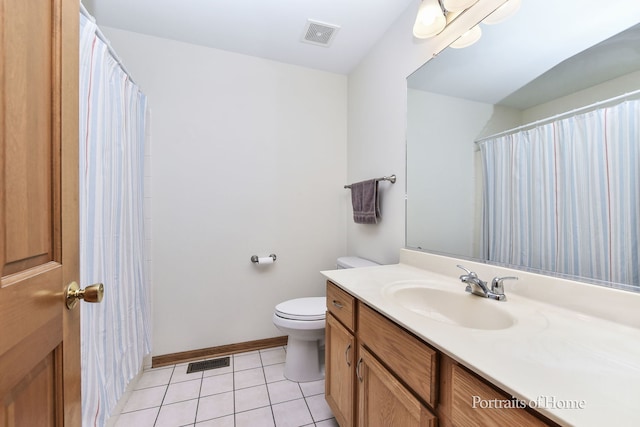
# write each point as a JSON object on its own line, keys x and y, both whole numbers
{"x": 269, "y": 29}
{"x": 541, "y": 35}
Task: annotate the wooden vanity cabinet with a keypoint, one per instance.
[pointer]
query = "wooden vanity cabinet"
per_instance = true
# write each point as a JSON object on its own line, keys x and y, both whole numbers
{"x": 365, "y": 393}
{"x": 379, "y": 374}
{"x": 340, "y": 350}
{"x": 383, "y": 400}
{"x": 340, "y": 355}
{"x": 461, "y": 388}
{"x": 410, "y": 359}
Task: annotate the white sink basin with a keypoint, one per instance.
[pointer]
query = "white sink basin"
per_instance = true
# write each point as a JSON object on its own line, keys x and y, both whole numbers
{"x": 448, "y": 306}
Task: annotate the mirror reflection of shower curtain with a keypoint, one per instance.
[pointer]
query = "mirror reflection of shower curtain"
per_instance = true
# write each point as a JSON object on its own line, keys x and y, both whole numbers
{"x": 565, "y": 196}
{"x": 116, "y": 333}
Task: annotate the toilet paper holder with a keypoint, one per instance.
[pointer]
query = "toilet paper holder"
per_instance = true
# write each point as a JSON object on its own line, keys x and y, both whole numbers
{"x": 255, "y": 259}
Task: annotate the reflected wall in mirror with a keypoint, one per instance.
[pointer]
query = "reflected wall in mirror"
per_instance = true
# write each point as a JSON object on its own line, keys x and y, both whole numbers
{"x": 549, "y": 59}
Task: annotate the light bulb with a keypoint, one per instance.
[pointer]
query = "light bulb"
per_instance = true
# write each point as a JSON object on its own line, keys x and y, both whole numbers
{"x": 430, "y": 19}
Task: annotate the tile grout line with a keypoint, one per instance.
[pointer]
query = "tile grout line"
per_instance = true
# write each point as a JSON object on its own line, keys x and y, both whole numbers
{"x": 266, "y": 385}
{"x": 233, "y": 387}
{"x": 313, "y": 421}
{"x": 166, "y": 390}
{"x": 195, "y": 420}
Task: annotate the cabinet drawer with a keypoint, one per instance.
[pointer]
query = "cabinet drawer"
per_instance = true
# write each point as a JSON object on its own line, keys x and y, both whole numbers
{"x": 341, "y": 305}
{"x": 410, "y": 359}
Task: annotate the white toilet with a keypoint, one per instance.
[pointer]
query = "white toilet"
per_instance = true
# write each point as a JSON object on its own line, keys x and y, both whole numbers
{"x": 303, "y": 320}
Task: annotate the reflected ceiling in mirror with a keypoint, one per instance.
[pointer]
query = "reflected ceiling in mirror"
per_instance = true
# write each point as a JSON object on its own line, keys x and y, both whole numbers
{"x": 557, "y": 54}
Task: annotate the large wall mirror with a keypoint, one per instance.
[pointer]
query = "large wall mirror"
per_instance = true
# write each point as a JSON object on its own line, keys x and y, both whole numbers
{"x": 550, "y": 61}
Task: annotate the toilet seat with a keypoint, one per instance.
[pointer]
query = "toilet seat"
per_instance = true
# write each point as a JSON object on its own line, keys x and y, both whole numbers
{"x": 303, "y": 309}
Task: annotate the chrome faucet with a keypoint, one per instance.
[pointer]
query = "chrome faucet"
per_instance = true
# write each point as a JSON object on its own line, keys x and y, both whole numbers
{"x": 479, "y": 287}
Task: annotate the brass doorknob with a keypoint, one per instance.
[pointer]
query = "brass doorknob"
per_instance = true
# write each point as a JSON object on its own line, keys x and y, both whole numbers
{"x": 92, "y": 293}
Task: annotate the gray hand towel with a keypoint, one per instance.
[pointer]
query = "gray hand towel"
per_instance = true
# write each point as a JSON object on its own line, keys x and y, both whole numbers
{"x": 364, "y": 197}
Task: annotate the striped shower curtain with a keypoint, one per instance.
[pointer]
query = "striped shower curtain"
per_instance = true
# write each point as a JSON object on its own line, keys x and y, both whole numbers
{"x": 116, "y": 333}
{"x": 565, "y": 196}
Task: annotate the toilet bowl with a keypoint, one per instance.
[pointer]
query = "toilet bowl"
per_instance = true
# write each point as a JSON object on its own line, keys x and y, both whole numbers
{"x": 303, "y": 320}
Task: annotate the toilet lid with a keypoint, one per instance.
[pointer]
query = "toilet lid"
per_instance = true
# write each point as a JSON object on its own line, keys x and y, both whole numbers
{"x": 313, "y": 308}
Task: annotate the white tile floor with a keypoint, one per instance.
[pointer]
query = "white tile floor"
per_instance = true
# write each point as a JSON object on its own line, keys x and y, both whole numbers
{"x": 252, "y": 392}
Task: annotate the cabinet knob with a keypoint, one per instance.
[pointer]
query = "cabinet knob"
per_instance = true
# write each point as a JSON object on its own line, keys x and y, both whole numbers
{"x": 358, "y": 370}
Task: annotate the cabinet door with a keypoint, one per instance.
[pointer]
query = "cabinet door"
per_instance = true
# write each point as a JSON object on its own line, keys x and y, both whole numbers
{"x": 467, "y": 389}
{"x": 383, "y": 400}
{"x": 339, "y": 371}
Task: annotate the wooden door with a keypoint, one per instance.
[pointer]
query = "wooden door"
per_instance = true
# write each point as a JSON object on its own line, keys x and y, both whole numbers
{"x": 39, "y": 337}
{"x": 339, "y": 371}
{"x": 383, "y": 401}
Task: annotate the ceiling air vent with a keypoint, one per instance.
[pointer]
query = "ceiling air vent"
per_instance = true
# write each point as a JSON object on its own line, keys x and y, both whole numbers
{"x": 319, "y": 33}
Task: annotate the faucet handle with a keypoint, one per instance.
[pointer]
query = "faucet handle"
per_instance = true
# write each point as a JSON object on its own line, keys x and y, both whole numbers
{"x": 469, "y": 272}
{"x": 496, "y": 284}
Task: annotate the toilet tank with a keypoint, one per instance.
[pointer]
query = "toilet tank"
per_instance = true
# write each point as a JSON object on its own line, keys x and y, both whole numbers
{"x": 354, "y": 262}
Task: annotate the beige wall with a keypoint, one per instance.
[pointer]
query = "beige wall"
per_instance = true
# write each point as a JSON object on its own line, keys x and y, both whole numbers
{"x": 377, "y": 124}
{"x": 249, "y": 157}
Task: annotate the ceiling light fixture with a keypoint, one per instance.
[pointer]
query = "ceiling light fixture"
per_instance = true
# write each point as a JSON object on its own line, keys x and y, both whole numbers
{"x": 507, "y": 10}
{"x": 430, "y": 19}
{"x": 434, "y": 15}
{"x": 457, "y": 5}
{"x": 468, "y": 38}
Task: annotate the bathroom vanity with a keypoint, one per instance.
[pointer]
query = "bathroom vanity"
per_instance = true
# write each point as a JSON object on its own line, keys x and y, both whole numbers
{"x": 406, "y": 345}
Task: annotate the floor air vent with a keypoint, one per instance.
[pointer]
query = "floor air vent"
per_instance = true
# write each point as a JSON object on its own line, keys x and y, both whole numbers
{"x": 205, "y": 365}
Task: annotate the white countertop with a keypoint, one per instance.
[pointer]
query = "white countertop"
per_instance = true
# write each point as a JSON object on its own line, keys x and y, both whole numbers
{"x": 570, "y": 343}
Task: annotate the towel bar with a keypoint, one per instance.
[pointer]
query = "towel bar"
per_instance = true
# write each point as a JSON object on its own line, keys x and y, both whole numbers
{"x": 391, "y": 179}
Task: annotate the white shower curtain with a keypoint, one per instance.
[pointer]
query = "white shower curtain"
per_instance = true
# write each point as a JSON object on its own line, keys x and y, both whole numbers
{"x": 565, "y": 196}
{"x": 116, "y": 333}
